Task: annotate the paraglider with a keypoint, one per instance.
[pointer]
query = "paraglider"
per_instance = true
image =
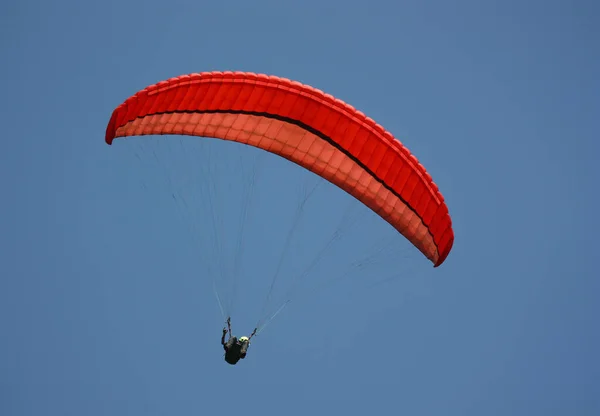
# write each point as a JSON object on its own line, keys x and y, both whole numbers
{"x": 307, "y": 127}
{"x": 235, "y": 348}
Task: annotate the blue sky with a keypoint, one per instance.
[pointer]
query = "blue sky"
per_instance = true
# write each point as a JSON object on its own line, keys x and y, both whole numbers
{"x": 106, "y": 308}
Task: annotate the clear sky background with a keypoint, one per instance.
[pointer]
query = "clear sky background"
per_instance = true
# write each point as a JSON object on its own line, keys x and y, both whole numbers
{"x": 107, "y": 309}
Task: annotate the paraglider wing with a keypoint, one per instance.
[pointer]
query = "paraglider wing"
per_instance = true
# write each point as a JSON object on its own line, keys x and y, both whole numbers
{"x": 306, "y": 126}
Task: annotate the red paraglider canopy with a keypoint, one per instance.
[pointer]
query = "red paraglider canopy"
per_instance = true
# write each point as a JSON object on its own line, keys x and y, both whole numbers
{"x": 306, "y": 126}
